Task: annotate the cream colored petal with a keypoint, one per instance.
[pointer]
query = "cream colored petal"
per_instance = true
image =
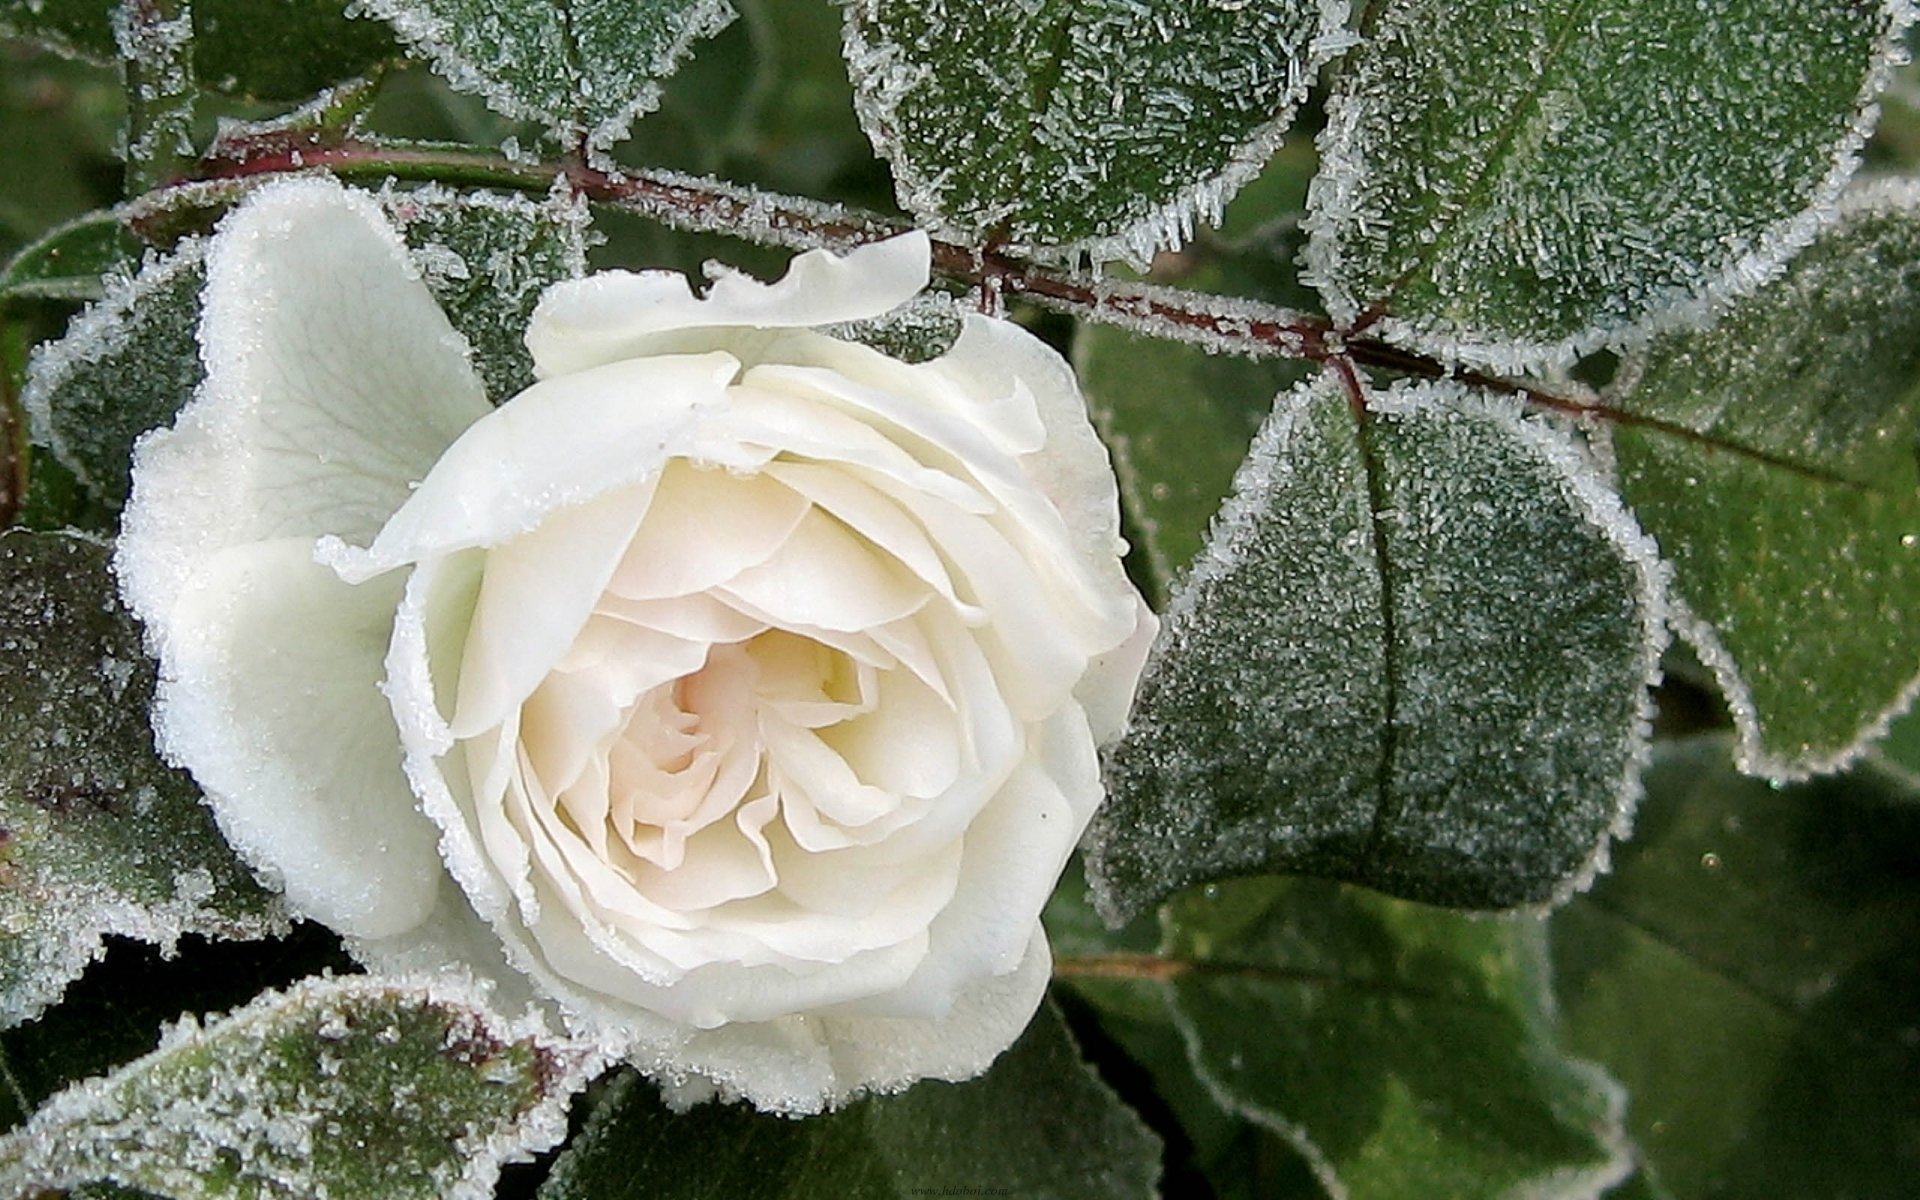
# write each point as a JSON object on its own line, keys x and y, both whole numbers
{"x": 879, "y": 1054}
{"x": 333, "y": 384}
{"x": 584, "y": 323}
{"x": 705, "y": 526}
{"x": 824, "y": 576}
{"x": 556, "y": 445}
{"x": 270, "y": 695}
{"x": 535, "y": 598}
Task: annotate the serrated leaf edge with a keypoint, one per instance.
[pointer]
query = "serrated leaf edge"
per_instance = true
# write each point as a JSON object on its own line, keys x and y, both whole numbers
{"x": 1590, "y": 487}
{"x": 1571, "y": 1184}
{"x": 1676, "y": 310}
{"x": 425, "y": 34}
{"x": 26, "y": 1163}
{"x": 1164, "y": 226}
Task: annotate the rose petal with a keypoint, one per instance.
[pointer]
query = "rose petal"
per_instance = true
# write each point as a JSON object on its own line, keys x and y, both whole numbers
{"x": 271, "y": 694}
{"x": 555, "y": 445}
{"x": 704, "y": 527}
{"x": 618, "y": 315}
{"x": 534, "y": 601}
{"x": 333, "y": 384}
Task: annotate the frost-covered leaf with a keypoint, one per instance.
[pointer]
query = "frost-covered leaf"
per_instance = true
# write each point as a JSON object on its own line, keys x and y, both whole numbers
{"x": 1406, "y": 1052}
{"x": 1098, "y": 980}
{"x": 583, "y": 68}
{"x": 336, "y": 1087}
{"x": 68, "y": 263}
{"x": 1515, "y": 181}
{"x": 1415, "y": 655}
{"x": 1747, "y": 970}
{"x": 1103, "y": 126}
{"x": 125, "y": 366}
{"x": 268, "y": 49}
{"x": 97, "y": 836}
{"x": 1773, "y": 457}
{"x": 118, "y": 1008}
{"x": 128, "y": 363}
{"x": 1039, "y": 1124}
{"x": 1178, "y": 421}
{"x": 487, "y": 258}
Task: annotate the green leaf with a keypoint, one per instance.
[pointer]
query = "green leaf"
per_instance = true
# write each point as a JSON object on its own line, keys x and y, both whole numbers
{"x": 583, "y": 68}
{"x": 1405, "y": 1051}
{"x": 68, "y": 262}
{"x": 1773, "y": 458}
{"x": 1098, "y": 978}
{"x": 120, "y": 1006}
{"x": 1747, "y": 970}
{"x": 1415, "y": 655}
{"x": 97, "y": 836}
{"x": 487, "y": 257}
{"x": 1039, "y": 1124}
{"x": 267, "y": 49}
{"x": 343, "y": 1087}
{"x": 125, "y": 366}
{"x": 1514, "y": 183}
{"x": 1178, "y": 421}
{"x": 1103, "y": 127}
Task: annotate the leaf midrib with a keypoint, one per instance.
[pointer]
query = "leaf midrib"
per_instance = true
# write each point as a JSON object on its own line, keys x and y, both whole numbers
{"x": 1447, "y": 222}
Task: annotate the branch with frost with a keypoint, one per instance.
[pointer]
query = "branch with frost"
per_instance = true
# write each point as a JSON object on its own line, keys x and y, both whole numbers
{"x": 1217, "y": 324}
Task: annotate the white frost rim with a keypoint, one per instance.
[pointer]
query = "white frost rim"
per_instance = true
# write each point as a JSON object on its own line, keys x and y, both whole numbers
{"x": 1674, "y": 309}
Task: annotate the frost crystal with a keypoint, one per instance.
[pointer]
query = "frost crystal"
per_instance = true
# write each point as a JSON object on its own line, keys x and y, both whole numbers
{"x": 586, "y": 68}
{"x": 97, "y": 837}
{"x": 1064, "y": 129}
{"x": 336, "y": 1089}
{"x": 1414, "y": 655}
{"x": 1512, "y": 184}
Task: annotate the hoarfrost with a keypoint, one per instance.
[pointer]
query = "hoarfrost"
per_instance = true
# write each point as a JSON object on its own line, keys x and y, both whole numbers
{"x": 487, "y": 257}
{"x": 1772, "y": 457}
{"x": 1063, "y": 130}
{"x": 1512, "y": 185}
{"x": 586, "y": 69}
{"x": 125, "y": 365}
{"x": 97, "y": 837}
{"x": 339, "y": 1088}
{"x": 1416, "y": 655}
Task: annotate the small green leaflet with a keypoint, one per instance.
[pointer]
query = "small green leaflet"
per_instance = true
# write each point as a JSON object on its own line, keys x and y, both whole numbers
{"x": 1178, "y": 420}
{"x": 1773, "y": 458}
{"x": 68, "y": 262}
{"x": 1514, "y": 182}
{"x": 97, "y": 836}
{"x": 336, "y": 1087}
{"x": 1415, "y": 655}
{"x": 277, "y": 50}
{"x": 1039, "y": 1124}
{"x": 1747, "y": 970}
{"x": 1406, "y": 1052}
{"x": 1103, "y": 127}
{"x": 127, "y": 364}
{"x": 585, "y": 69}
{"x": 487, "y": 257}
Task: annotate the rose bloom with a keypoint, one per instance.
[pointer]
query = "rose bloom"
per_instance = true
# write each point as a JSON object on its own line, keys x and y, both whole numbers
{"x": 732, "y": 693}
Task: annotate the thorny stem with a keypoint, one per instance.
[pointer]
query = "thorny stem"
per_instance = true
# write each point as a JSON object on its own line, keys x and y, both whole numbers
{"x": 707, "y": 205}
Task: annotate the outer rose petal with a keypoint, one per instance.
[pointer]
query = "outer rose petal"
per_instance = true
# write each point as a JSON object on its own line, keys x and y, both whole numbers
{"x": 333, "y": 384}
{"x": 618, "y": 315}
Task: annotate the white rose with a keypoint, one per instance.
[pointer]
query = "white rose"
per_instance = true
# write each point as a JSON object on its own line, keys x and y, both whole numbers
{"x": 732, "y": 691}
